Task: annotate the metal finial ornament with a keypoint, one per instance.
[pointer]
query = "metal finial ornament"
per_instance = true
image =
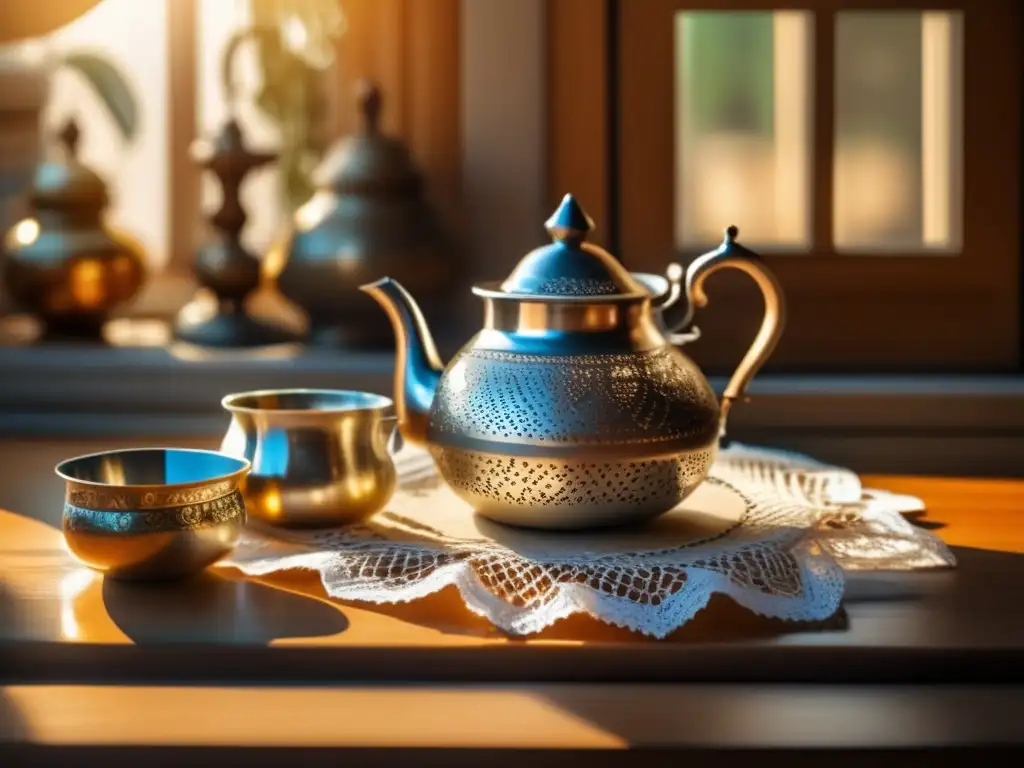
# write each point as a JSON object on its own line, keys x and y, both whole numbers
{"x": 569, "y": 221}
{"x": 223, "y": 265}
{"x": 370, "y": 101}
{"x": 371, "y": 214}
{"x": 69, "y": 136}
{"x": 570, "y": 266}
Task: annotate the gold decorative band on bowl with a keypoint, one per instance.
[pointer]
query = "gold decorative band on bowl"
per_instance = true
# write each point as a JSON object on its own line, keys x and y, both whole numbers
{"x": 183, "y": 518}
{"x": 90, "y": 497}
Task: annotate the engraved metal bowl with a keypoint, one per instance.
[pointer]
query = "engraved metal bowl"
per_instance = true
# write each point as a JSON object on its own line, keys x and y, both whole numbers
{"x": 152, "y": 513}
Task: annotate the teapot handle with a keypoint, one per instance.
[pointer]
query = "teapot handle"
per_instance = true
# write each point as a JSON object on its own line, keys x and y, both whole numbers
{"x": 738, "y": 257}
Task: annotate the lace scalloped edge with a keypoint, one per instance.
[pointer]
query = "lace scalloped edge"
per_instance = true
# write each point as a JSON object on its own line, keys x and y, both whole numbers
{"x": 573, "y": 599}
{"x": 821, "y": 569}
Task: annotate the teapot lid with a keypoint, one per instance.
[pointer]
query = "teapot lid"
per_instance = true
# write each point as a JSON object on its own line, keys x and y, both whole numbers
{"x": 68, "y": 183}
{"x": 369, "y": 162}
{"x": 570, "y": 267}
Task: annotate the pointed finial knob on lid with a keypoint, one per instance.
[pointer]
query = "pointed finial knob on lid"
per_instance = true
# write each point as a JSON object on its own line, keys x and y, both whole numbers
{"x": 69, "y": 136}
{"x": 370, "y": 101}
{"x": 570, "y": 267}
{"x": 730, "y": 244}
{"x": 230, "y": 137}
{"x": 569, "y": 222}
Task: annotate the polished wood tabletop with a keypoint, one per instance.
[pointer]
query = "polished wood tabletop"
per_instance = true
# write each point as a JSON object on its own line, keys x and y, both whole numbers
{"x": 77, "y": 654}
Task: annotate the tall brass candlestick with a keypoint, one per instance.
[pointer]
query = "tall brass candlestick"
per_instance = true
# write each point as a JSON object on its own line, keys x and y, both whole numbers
{"x": 224, "y": 265}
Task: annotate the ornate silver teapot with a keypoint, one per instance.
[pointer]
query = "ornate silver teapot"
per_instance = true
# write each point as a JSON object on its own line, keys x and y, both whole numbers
{"x": 572, "y": 408}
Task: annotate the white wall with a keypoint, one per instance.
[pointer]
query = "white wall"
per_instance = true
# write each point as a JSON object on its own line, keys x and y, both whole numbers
{"x": 505, "y": 194}
{"x": 132, "y": 34}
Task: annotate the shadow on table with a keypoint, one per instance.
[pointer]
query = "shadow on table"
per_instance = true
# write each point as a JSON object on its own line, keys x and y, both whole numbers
{"x": 980, "y": 607}
{"x": 920, "y": 520}
{"x": 10, "y": 608}
{"x": 972, "y": 610}
{"x": 46, "y": 596}
{"x": 443, "y": 611}
{"x": 12, "y": 724}
{"x": 211, "y": 608}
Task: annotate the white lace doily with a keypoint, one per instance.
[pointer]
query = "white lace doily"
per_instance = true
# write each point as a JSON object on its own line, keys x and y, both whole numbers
{"x": 772, "y": 530}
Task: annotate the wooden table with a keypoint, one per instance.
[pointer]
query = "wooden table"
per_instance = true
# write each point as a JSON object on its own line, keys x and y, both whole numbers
{"x": 226, "y": 665}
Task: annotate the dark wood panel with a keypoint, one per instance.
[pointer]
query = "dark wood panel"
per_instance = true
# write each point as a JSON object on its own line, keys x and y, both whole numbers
{"x": 904, "y": 318}
{"x": 578, "y": 130}
{"x": 412, "y": 50}
{"x": 182, "y": 118}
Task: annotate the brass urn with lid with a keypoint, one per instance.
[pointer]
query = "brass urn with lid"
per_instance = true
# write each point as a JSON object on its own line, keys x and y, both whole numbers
{"x": 370, "y": 216}
{"x": 64, "y": 264}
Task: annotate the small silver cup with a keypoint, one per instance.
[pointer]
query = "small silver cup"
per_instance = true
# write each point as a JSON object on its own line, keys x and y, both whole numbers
{"x": 149, "y": 514}
{"x": 320, "y": 458}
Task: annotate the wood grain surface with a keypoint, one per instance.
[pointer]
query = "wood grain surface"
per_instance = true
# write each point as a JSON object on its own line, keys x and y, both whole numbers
{"x": 912, "y": 661}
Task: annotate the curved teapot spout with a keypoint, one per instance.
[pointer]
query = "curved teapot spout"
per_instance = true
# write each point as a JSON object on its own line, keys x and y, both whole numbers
{"x": 417, "y": 365}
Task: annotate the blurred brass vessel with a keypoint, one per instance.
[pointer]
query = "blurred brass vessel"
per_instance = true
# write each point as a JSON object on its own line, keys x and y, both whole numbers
{"x": 63, "y": 264}
{"x": 369, "y": 217}
{"x": 152, "y": 513}
{"x": 321, "y": 458}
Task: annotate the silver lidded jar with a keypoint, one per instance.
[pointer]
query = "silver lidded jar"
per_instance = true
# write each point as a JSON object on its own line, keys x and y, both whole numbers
{"x": 370, "y": 216}
{"x": 571, "y": 408}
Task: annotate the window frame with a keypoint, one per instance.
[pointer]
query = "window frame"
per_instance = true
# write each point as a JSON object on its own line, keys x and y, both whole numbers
{"x": 184, "y": 216}
{"x": 848, "y": 312}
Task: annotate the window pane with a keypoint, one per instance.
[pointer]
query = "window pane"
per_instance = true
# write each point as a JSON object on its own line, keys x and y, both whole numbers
{"x": 23, "y": 95}
{"x": 219, "y": 20}
{"x": 743, "y": 138}
{"x": 131, "y": 36}
{"x": 898, "y": 131}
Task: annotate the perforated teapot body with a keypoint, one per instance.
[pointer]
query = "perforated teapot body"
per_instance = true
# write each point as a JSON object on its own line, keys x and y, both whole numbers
{"x": 570, "y": 407}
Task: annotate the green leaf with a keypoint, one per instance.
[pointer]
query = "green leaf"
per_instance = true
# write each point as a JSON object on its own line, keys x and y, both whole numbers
{"x": 112, "y": 88}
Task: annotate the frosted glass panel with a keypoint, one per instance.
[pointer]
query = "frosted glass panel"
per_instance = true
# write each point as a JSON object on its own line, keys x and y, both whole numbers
{"x": 219, "y": 20}
{"x": 898, "y": 132}
{"x": 132, "y": 36}
{"x": 743, "y": 137}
